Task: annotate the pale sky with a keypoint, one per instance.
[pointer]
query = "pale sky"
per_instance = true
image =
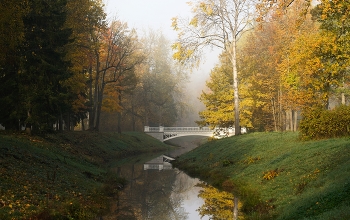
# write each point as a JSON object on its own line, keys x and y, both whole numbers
{"x": 144, "y": 14}
{"x": 154, "y": 14}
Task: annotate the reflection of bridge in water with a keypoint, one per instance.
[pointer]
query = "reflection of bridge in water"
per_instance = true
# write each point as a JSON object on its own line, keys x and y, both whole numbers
{"x": 167, "y": 133}
{"x": 159, "y": 163}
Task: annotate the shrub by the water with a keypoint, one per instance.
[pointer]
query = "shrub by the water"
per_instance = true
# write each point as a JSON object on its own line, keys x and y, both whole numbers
{"x": 318, "y": 123}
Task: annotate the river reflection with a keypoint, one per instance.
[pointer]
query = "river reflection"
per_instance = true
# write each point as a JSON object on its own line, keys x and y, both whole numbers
{"x": 157, "y": 191}
{"x": 157, "y": 194}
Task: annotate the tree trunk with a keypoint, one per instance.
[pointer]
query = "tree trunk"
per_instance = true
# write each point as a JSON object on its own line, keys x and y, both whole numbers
{"x": 133, "y": 118}
{"x": 99, "y": 107}
{"x": 235, "y": 88}
{"x": 295, "y": 120}
{"x": 28, "y": 129}
{"x": 96, "y": 105}
{"x": 82, "y": 125}
{"x": 68, "y": 122}
{"x": 60, "y": 123}
{"x": 273, "y": 106}
{"x": 281, "y": 113}
{"x": 235, "y": 208}
{"x": 291, "y": 120}
{"x": 287, "y": 121}
{"x": 29, "y": 125}
{"x": 91, "y": 101}
{"x": 93, "y": 117}
{"x": 119, "y": 112}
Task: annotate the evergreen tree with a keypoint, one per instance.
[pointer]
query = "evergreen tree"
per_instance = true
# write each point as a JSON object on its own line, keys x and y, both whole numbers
{"x": 43, "y": 66}
{"x": 11, "y": 37}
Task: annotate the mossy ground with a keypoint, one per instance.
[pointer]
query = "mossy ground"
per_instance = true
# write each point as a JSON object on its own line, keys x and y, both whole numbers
{"x": 63, "y": 175}
{"x": 276, "y": 175}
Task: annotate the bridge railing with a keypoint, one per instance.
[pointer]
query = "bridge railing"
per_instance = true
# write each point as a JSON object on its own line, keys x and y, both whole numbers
{"x": 187, "y": 129}
{"x": 152, "y": 129}
{"x": 177, "y": 129}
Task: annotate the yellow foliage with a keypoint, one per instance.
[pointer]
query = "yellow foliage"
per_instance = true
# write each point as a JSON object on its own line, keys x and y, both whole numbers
{"x": 174, "y": 24}
{"x": 270, "y": 174}
{"x": 218, "y": 204}
{"x": 110, "y": 102}
{"x": 181, "y": 53}
{"x": 194, "y": 22}
{"x": 206, "y": 8}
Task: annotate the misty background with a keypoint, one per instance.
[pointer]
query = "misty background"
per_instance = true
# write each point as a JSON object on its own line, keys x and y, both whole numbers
{"x": 156, "y": 15}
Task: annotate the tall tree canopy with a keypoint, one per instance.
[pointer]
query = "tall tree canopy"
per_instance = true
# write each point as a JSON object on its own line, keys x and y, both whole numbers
{"x": 116, "y": 55}
{"x": 218, "y": 100}
{"x": 334, "y": 19}
{"x": 215, "y": 23}
{"x": 42, "y": 64}
{"x": 11, "y": 38}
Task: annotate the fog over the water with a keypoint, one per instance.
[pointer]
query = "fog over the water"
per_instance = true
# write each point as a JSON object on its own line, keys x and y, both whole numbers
{"x": 156, "y": 15}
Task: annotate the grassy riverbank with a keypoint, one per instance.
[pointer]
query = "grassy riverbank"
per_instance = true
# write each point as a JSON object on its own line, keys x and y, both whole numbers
{"x": 277, "y": 176}
{"x": 64, "y": 175}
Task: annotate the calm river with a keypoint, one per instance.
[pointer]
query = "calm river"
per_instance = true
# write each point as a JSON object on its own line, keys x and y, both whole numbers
{"x": 157, "y": 191}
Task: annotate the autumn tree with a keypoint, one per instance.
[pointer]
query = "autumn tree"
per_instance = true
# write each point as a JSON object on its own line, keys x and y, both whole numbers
{"x": 84, "y": 17}
{"x": 317, "y": 63}
{"x": 47, "y": 53}
{"x": 259, "y": 56}
{"x": 303, "y": 80}
{"x": 116, "y": 54}
{"x": 333, "y": 17}
{"x": 218, "y": 100}
{"x": 266, "y": 59}
{"x": 268, "y": 8}
{"x": 215, "y": 23}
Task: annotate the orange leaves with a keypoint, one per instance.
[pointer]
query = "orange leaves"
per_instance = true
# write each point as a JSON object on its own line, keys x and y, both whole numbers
{"x": 271, "y": 174}
{"x": 111, "y": 99}
{"x": 308, "y": 71}
{"x": 79, "y": 104}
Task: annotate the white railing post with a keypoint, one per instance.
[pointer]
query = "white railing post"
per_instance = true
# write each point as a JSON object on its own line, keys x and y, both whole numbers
{"x": 161, "y": 129}
{"x": 146, "y": 128}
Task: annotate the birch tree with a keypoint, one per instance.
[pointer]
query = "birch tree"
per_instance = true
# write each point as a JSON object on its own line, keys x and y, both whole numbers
{"x": 215, "y": 23}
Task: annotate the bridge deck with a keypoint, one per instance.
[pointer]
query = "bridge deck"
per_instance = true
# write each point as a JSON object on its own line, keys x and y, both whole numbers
{"x": 178, "y": 129}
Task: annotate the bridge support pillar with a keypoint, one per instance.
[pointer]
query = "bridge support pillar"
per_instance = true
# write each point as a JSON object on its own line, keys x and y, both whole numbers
{"x": 156, "y": 134}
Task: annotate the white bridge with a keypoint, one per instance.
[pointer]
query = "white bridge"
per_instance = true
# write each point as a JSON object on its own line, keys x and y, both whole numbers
{"x": 167, "y": 133}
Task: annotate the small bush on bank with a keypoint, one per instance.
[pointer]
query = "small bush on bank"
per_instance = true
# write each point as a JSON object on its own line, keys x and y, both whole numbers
{"x": 318, "y": 123}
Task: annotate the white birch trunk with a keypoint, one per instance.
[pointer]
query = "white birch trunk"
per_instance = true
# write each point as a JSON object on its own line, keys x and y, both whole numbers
{"x": 235, "y": 87}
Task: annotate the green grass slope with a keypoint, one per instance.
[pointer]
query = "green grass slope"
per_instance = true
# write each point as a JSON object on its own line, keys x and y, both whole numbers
{"x": 64, "y": 175}
{"x": 277, "y": 176}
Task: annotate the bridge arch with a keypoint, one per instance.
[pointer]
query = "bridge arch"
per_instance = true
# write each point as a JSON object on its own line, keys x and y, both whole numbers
{"x": 167, "y": 137}
{"x": 168, "y": 133}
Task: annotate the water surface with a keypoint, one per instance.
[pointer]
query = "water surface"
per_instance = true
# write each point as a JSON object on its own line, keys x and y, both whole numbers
{"x": 155, "y": 190}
